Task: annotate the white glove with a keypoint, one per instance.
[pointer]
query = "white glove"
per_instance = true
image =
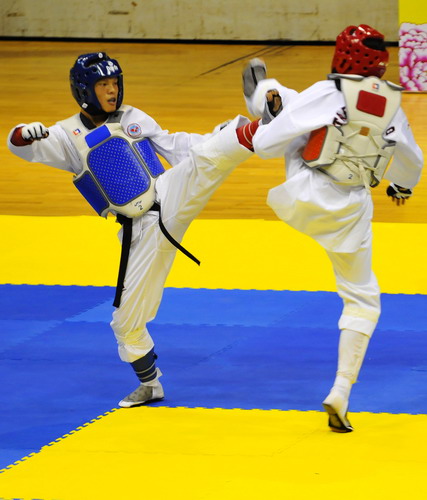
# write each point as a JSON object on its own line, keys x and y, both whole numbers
{"x": 35, "y": 131}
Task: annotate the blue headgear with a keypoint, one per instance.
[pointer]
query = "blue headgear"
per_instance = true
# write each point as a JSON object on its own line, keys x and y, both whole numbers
{"x": 87, "y": 70}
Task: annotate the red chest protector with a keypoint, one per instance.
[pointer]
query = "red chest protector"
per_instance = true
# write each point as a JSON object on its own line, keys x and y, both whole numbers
{"x": 357, "y": 153}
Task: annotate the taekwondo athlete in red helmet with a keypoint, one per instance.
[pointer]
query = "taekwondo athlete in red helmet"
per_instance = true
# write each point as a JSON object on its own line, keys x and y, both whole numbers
{"x": 112, "y": 150}
{"x": 339, "y": 138}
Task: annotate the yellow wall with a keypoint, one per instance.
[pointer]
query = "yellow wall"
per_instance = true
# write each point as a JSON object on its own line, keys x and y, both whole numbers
{"x": 413, "y": 11}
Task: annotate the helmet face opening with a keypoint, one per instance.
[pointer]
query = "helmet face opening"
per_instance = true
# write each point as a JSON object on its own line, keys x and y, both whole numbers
{"x": 87, "y": 70}
{"x": 360, "y": 50}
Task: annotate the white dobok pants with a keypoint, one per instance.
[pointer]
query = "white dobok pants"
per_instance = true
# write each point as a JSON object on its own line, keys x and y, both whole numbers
{"x": 182, "y": 193}
{"x": 339, "y": 218}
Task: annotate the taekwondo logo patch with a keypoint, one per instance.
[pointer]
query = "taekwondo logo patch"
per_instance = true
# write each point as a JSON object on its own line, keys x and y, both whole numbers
{"x": 77, "y": 131}
{"x": 375, "y": 86}
{"x": 134, "y": 130}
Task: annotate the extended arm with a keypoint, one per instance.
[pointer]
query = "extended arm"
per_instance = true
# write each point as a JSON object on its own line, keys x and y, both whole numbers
{"x": 405, "y": 169}
{"x": 38, "y": 144}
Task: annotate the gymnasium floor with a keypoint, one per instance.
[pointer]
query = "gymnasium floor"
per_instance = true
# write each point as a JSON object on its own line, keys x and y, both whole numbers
{"x": 247, "y": 344}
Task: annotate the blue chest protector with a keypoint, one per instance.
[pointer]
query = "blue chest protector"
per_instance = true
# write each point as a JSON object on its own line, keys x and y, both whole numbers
{"x": 118, "y": 176}
{"x": 119, "y": 172}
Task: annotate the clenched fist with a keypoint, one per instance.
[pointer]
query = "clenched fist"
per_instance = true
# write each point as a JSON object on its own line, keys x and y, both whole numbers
{"x": 34, "y": 131}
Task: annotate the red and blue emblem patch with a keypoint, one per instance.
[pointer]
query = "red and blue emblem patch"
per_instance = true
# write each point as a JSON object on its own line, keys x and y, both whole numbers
{"x": 134, "y": 130}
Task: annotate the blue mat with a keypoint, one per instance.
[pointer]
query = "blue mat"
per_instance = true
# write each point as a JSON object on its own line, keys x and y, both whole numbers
{"x": 217, "y": 348}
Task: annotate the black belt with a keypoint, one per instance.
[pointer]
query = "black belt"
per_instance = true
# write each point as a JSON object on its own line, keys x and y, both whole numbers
{"x": 126, "y": 223}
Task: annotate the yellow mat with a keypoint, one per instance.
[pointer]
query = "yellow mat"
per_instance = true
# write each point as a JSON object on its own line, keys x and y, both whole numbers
{"x": 174, "y": 453}
{"x": 241, "y": 254}
{"x": 212, "y": 454}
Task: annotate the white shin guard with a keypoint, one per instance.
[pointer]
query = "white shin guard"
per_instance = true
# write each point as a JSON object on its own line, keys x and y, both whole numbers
{"x": 351, "y": 353}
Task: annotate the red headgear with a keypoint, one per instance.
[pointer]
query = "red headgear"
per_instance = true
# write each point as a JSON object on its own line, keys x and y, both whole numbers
{"x": 360, "y": 50}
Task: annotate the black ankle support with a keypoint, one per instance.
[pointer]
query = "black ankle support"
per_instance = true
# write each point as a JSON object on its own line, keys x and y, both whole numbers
{"x": 145, "y": 367}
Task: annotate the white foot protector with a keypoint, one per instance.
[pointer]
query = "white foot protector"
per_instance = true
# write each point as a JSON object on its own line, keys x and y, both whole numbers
{"x": 336, "y": 406}
{"x": 143, "y": 394}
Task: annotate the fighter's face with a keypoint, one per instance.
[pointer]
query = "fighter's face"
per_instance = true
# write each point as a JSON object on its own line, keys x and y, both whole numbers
{"x": 107, "y": 91}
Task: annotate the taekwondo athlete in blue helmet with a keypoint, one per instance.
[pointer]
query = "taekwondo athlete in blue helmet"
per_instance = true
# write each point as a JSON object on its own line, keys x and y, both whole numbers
{"x": 112, "y": 149}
